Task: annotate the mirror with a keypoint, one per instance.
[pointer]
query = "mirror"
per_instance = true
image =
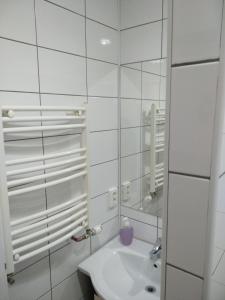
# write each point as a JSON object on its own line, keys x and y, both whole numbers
{"x": 143, "y": 104}
{"x": 143, "y": 72}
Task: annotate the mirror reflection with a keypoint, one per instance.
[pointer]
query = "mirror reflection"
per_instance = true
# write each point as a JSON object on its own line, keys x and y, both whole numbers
{"x": 143, "y": 71}
{"x": 143, "y": 135}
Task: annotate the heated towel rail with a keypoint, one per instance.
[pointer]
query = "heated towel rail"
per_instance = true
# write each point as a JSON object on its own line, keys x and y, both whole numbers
{"x": 157, "y": 142}
{"x": 35, "y": 233}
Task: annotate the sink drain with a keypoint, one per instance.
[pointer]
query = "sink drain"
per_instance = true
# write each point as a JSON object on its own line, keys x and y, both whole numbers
{"x": 150, "y": 289}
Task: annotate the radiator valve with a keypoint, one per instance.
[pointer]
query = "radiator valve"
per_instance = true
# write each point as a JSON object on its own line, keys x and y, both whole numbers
{"x": 89, "y": 232}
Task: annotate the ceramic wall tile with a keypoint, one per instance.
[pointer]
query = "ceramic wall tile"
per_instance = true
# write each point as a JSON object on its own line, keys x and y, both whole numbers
{"x": 196, "y": 38}
{"x": 60, "y": 29}
{"x": 18, "y": 20}
{"x": 193, "y": 100}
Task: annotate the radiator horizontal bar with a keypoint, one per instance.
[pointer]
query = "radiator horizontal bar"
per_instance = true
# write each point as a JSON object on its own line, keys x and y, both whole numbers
{"x": 157, "y": 176}
{"x": 159, "y": 184}
{"x": 42, "y": 128}
{"x": 42, "y": 118}
{"x": 40, "y": 108}
{"x": 45, "y": 185}
{"x": 159, "y": 168}
{"x": 159, "y": 165}
{"x": 45, "y": 239}
{"x": 52, "y": 227}
{"x": 48, "y": 211}
{"x": 159, "y": 180}
{"x": 159, "y": 145}
{"x": 49, "y": 219}
{"x": 159, "y": 150}
{"x": 50, "y": 245}
{"x": 44, "y": 157}
{"x": 46, "y": 166}
{"x": 30, "y": 179}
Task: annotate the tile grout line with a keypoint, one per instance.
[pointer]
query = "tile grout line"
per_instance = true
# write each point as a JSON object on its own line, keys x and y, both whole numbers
{"x": 119, "y": 185}
{"x": 83, "y": 95}
{"x": 157, "y": 232}
{"x": 162, "y": 21}
{"x": 162, "y": 30}
{"x": 91, "y": 166}
{"x": 60, "y": 94}
{"x": 48, "y": 255}
{"x": 81, "y": 15}
{"x": 217, "y": 265}
{"x": 32, "y": 264}
{"x": 143, "y": 61}
{"x": 135, "y": 154}
{"x": 67, "y": 277}
{"x": 218, "y": 282}
{"x": 197, "y": 62}
{"x": 59, "y": 51}
{"x": 45, "y": 294}
{"x": 86, "y": 78}
{"x": 143, "y": 71}
{"x": 185, "y": 271}
{"x": 143, "y": 24}
{"x": 148, "y": 224}
{"x": 141, "y": 140}
{"x": 42, "y": 141}
{"x": 39, "y": 93}
{"x": 166, "y": 154}
{"x": 189, "y": 175}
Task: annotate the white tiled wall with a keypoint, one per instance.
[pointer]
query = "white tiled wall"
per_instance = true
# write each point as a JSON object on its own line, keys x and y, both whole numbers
{"x": 193, "y": 94}
{"x": 60, "y": 29}
{"x": 137, "y": 43}
{"x": 77, "y": 6}
{"x": 188, "y": 207}
{"x": 59, "y": 53}
{"x": 143, "y": 30}
{"x": 182, "y": 285}
{"x": 196, "y": 37}
{"x": 67, "y": 52}
{"x": 195, "y": 32}
{"x": 18, "y": 20}
{"x": 104, "y": 11}
{"x": 19, "y": 71}
{"x": 102, "y": 79}
{"x": 139, "y": 12}
{"x": 217, "y": 282}
{"x": 103, "y": 42}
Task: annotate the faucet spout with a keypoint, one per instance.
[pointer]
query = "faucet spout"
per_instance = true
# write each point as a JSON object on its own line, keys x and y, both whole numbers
{"x": 155, "y": 253}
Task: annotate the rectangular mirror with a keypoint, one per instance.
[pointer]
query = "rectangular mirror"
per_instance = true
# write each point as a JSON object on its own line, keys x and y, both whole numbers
{"x": 143, "y": 73}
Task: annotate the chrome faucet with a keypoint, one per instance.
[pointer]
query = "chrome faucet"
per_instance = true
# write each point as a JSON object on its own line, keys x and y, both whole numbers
{"x": 155, "y": 253}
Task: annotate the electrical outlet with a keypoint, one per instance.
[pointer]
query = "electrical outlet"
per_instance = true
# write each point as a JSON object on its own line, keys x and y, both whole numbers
{"x": 126, "y": 191}
{"x": 113, "y": 197}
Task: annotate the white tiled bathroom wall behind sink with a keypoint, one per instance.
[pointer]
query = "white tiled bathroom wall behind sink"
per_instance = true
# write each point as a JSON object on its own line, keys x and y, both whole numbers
{"x": 51, "y": 53}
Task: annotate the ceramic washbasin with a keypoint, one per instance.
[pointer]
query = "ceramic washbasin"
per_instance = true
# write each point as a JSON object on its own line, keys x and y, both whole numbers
{"x": 123, "y": 272}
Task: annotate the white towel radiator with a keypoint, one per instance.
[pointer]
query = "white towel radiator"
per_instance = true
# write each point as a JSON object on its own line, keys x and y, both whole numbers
{"x": 33, "y": 234}
{"x": 157, "y": 143}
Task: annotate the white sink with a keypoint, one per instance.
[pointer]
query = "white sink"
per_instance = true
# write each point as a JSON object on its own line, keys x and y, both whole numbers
{"x": 123, "y": 272}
